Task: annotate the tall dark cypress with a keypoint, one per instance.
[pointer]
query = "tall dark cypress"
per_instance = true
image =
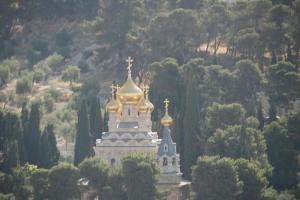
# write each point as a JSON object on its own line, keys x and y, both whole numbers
{"x": 11, "y": 157}
{"x": 26, "y": 139}
{"x": 34, "y": 135}
{"x": 96, "y": 121}
{"x": 14, "y": 137}
{"x": 191, "y": 125}
{"x": 105, "y": 121}
{"x": 260, "y": 116}
{"x": 272, "y": 112}
{"x": 83, "y": 143}
{"x": 49, "y": 154}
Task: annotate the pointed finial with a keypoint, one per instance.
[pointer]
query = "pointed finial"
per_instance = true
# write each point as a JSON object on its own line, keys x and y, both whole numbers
{"x": 129, "y": 61}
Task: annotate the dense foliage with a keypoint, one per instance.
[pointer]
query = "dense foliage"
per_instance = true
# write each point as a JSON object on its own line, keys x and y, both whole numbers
{"x": 230, "y": 69}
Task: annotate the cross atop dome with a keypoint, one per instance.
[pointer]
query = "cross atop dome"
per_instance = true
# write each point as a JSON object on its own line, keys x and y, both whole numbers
{"x": 129, "y": 62}
{"x": 166, "y": 101}
{"x": 112, "y": 87}
{"x": 166, "y": 120}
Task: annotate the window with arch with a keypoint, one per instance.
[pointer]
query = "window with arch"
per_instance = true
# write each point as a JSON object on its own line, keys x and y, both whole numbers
{"x": 112, "y": 162}
{"x": 165, "y": 148}
{"x": 128, "y": 112}
{"x": 165, "y": 161}
{"x": 173, "y": 161}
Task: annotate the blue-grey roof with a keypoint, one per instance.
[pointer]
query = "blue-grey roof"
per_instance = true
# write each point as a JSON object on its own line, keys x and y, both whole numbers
{"x": 128, "y": 125}
{"x": 167, "y": 139}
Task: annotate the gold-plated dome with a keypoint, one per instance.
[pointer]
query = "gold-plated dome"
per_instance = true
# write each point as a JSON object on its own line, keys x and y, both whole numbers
{"x": 113, "y": 105}
{"x": 150, "y": 105}
{"x": 129, "y": 93}
{"x": 166, "y": 120}
{"x": 143, "y": 106}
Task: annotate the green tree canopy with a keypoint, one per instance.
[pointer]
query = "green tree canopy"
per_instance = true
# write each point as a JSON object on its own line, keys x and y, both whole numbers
{"x": 71, "y": 74}
{"x": 96, "y": 171}
{"x": 215, "y": 178}
{"x": 140, "y": 177}
{"x": 63, "y": 182}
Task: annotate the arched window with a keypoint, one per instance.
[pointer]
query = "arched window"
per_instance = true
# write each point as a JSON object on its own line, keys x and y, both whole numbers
{"x": 165, "y": 161}
{"x": 173, "y": 161}
{"x": 165, "y": 148}
{"x": 128, "y": 112}
{"x": 112, "y": 162}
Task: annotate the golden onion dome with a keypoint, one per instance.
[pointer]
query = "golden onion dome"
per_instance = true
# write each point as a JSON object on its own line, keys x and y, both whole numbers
{"x": 150, "y": 105}
{"x": 166, "y": 120}
{"x": 129, "y": 93}
{"x": 113, "y": 105}
{"x": 143, "y": 106}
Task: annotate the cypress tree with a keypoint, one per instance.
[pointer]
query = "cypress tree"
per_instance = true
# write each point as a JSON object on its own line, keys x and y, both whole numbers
{"x": 190, "y": 125}
{"x": 105, "y": 121}
{"x": 13, "y": 136}
{"x": 49, "y": 154}
{"x": 34, "y": 135}
{"x": 272, "y": 112}
{"x": 11, "y": 156}
{"x": 96, "y": 121}
{"x": 260, "y": 116}
{"x": 83, "y": 144}
{"x": 26, "y": 138}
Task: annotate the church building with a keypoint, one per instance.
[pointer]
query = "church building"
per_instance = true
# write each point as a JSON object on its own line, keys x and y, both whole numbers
{"x": 130, "y": 131}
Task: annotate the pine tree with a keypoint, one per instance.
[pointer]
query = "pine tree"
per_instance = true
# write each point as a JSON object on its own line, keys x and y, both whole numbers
{"x": 191, "y": 125}
{"x": 49, "y": 154}
{"x": 34, "y": 134}
{"x": 96, "y": 121}
{"x": 83, "y": 144}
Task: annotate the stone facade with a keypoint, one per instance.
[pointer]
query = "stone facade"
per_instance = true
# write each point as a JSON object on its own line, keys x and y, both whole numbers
{"x": 130, "y": 131}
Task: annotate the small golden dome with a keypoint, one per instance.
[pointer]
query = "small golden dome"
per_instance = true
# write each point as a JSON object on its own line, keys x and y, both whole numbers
{"x": 143, "y": 106}
{"x": 150, "y": 105}
{"x": 166, "y": 120}
{"x": 129, "y": 93}
{"x": 113, "y": 105}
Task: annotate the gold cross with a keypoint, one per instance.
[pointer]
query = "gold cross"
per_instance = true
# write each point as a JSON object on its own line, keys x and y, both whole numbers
{"x": 129, "y": 61}
{"x": 166, "y": 103}
{"x": 112, "y": 90}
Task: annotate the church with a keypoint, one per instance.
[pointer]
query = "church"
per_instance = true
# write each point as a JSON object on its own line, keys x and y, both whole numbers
{"x": 130, "y": 131}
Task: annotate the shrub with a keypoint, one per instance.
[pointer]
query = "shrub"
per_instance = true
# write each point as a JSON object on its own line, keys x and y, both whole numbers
{"x": 63, "y": 38}
{"x": 64, "y": 51}
{"x": 83, "y": 66}
{"x": 24, "y": 85}
{"x": 38, "y": 76}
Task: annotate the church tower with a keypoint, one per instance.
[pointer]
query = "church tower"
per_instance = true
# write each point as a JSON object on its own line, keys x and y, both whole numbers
{"x": 129, "y": 125}
{"x": 130, "y": 131}
{"x": 168, "y": 158}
